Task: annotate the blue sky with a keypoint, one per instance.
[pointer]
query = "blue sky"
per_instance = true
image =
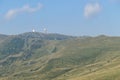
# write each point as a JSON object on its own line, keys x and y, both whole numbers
{"x": 71, "y": 17}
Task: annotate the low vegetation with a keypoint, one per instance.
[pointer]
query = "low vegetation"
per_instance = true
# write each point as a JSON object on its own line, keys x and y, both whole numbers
{"x": 38, "y": 56}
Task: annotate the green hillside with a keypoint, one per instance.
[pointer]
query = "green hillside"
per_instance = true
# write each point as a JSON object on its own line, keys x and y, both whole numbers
{"x": 39, "y": 56}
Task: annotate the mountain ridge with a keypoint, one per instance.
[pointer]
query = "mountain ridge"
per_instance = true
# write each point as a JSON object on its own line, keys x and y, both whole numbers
{"x": 39, "y": 56}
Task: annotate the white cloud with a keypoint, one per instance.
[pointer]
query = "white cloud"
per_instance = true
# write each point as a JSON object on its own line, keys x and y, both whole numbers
{"x": 91, "y": 9}
{"x": 25, "y": 8}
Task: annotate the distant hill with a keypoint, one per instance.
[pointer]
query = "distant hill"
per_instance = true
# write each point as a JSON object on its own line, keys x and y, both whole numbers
{"x": 40, "y": 56}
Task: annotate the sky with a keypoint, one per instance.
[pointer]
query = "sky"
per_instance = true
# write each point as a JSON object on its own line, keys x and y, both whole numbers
{"x": 70, "y": 17}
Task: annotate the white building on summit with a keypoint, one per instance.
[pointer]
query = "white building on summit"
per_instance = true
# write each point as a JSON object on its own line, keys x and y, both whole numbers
{"x": 33, "y": 30}
{"x": 45, "y": 30}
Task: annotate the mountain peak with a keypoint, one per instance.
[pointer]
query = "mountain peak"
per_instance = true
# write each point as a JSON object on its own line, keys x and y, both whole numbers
{"x": 46, "y": 36}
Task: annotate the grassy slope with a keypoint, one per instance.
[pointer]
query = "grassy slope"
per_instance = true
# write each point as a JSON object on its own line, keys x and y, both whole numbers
{"x": 74, "y": 59}
{"x": 103, "y": 63}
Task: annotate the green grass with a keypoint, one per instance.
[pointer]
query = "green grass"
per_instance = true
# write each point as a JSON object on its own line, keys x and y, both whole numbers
{"x": 90, "y": 58}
